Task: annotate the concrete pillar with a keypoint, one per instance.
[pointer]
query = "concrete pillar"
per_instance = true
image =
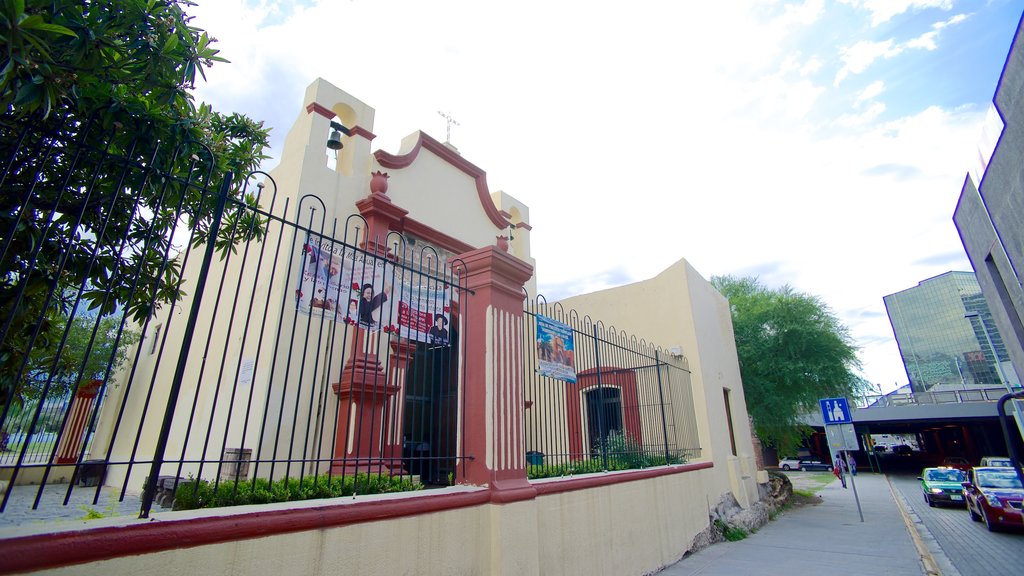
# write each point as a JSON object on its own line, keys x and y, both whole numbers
{"x": 494, "y": 440}
{"x": 364, "y": 391}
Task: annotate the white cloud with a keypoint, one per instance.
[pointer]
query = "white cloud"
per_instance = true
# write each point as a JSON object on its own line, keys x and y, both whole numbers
{"x": 870, "y": 92}
{"x": 927, "y": 40}
{"x": 858, "y": 57}
{"x": 884, "y": 10}
{"x": 812, "y": 65}
{"x": 867, "y": 116}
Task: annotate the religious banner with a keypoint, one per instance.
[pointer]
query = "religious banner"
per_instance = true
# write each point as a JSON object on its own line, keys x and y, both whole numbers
{"x": 555, "y": 350}
{"x": 346, "y": 285}
{"x": 424, "y": 314}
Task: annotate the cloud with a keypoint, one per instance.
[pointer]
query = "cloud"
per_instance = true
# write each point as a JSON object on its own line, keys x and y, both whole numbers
{"x": 858, "y": 57}
{"x": 871, "y": 91}
{"x": 884, "y": 10}
{"x": 955, "y": 259}
{"x": 896, "y": 171}
{"x": 927, "y": 40}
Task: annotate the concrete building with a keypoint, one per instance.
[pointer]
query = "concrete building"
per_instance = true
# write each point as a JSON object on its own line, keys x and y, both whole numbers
{"x": 990, "y": 212}
{"x": 944, "y": 329}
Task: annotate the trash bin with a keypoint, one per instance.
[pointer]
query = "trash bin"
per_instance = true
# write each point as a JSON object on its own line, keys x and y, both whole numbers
{"x": 534, "y": 458}
{"x": 235, "y": 465}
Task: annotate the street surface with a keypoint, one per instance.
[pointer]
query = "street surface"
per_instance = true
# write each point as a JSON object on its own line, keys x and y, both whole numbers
{"x": 969, "y": 546}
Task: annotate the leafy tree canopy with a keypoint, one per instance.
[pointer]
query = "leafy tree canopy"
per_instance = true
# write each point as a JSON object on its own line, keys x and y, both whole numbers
{"x": 104, "y": 155}
{"x": 792, "y": 352}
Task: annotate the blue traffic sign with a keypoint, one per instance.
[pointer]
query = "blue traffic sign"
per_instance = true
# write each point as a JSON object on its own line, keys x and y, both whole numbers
{"x": 835, "y": 411}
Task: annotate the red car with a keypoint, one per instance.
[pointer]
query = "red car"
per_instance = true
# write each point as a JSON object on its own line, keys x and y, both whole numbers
{"x": 956, "y": 462}
{"x": 995, "y": 495}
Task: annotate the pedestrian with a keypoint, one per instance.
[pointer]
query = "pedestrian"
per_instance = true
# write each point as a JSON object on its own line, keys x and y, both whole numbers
{"x": 851, "y": 464}
{"x": 837, "y": 469}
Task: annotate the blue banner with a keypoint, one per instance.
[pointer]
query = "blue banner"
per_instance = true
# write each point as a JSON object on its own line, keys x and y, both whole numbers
{"x": 555, "y": 350}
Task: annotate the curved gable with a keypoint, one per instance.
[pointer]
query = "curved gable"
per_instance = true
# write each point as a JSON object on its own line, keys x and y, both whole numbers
{"x": 388, "y": 160}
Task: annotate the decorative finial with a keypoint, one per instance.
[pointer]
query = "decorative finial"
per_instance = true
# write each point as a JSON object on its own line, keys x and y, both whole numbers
{"x": 379, "y": 182}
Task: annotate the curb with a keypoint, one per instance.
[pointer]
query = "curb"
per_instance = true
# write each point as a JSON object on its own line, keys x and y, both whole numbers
{"x": 931, "y": 568}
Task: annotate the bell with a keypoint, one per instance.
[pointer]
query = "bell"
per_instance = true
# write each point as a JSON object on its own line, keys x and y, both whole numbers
{"x": 334, "y": 142}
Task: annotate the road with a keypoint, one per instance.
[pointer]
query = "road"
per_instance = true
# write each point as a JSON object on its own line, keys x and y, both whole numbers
{"x": 970, "y": 547}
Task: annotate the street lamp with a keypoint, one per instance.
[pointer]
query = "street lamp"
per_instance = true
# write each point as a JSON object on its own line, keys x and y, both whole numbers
{"x": 999, "y": 371}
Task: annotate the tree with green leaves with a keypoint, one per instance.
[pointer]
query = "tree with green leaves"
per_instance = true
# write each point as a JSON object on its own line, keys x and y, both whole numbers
{"x": 792, "y": 352}
{"x": 105, "y": 154}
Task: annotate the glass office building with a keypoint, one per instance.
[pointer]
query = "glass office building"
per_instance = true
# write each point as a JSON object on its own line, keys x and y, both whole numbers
{"x": 944, "y": 328}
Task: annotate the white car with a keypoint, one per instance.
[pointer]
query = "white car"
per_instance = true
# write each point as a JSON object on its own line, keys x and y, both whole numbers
{"x": 804, "y": 463}
{"x": 998, "y": 461}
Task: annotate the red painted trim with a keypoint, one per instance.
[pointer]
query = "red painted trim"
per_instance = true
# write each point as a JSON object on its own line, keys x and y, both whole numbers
{"x": 67, "y": 548}
{"x": 595, "y": 480}
{"x": 524, "y": 226}
{"x": 393, "y": 161}
{"x": 321, "y": 110}
{"x": 360, "y": 131}
{"x": 329, "y": 114}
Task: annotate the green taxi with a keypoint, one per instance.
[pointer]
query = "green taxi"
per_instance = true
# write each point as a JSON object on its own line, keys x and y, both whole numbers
{"x": 942, "y": 486}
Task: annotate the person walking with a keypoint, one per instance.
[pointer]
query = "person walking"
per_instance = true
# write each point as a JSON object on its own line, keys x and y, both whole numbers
{"x": 838, "y": 470}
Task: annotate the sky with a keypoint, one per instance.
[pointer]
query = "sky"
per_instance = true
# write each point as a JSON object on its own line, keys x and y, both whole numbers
{"x": 817, "y": 144}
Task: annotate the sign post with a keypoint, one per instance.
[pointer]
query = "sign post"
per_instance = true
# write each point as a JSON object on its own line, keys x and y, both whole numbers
{"x": 841, "y": 436}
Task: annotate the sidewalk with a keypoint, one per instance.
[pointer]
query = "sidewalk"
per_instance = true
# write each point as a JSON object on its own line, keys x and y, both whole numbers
{"x": 827, "y": 539}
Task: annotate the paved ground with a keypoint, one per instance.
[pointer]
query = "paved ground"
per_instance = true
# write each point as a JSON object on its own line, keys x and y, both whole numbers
{"x": 18, "y": 515}
{"x": 827, "y": 539}
{"x": 969, "y": 547}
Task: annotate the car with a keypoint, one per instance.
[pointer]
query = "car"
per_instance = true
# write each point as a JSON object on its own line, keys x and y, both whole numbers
{"x": 957, "y": 462}
{"x": 994, "y": 495}
{"x": 902, "y": 450}
{"x": 804, "y": 463}
{"x": 942, "y": 485}
{"x": 997, "y": 461}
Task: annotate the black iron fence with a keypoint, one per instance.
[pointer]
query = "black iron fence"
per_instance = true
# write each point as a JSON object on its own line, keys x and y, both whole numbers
{"x": 164, "y": 324}
{"x": 599, "y": 399}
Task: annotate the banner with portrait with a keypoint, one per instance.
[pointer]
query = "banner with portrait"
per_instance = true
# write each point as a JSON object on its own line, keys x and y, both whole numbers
{"x": 424, "y": 313}
{"x": 346, "y": 285}
{"x": 555, "y": 350}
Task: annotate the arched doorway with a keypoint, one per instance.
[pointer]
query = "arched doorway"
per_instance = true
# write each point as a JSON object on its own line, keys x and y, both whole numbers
{"x": 604, "y": 414}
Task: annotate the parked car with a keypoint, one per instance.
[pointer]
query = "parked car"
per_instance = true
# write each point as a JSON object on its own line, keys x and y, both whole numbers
{"x": 997, "y": 461}
{"x": 957, "y": 462}
{"x": 804, "y": 463}
{"x": 994, "y": 495}
{"x": 943, "y": 485}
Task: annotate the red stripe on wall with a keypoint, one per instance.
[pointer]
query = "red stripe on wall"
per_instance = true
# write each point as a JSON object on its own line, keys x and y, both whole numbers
{"x": 67, "y": 548}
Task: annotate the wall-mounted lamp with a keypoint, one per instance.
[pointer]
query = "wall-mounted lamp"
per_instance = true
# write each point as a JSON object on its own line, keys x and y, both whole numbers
{"x": 334, "y": 141}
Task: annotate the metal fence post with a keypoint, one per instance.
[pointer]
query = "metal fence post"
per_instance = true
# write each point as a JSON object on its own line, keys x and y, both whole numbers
{"x": 603, "y": 443}
{"x": 179, "y": 371}
{"x": 661, "y": 400}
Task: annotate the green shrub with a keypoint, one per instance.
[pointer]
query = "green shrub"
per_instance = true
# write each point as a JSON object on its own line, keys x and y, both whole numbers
{"x": 194, "y": 494}
{"x": 730, "y": 532}
{"x": 623, "y": 454}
